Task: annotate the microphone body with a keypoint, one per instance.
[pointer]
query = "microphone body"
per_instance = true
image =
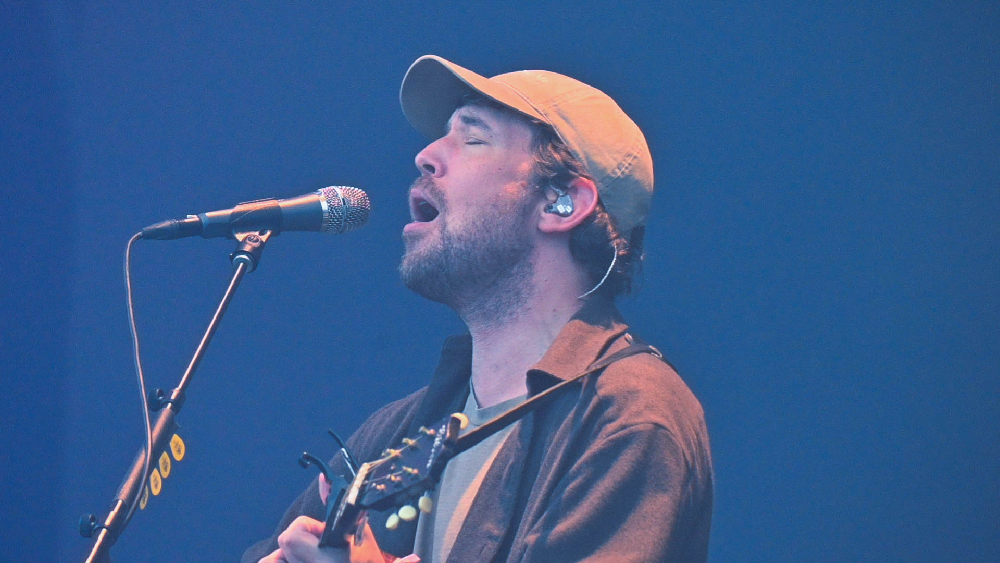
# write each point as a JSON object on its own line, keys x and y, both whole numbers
{"x": 336, "y": 210}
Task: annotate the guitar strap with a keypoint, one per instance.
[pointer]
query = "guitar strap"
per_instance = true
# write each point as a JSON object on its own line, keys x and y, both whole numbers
{"x": 502, "y": 420}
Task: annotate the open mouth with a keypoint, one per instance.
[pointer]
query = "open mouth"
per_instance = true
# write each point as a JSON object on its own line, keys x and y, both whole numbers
{"x": 422, "y": 210}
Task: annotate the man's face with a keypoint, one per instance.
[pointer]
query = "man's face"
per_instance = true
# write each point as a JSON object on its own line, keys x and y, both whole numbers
{"x": 471, "y": 236}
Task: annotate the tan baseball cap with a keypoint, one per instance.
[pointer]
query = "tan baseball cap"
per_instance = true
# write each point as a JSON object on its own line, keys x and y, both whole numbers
{"x": 593, "y": 127}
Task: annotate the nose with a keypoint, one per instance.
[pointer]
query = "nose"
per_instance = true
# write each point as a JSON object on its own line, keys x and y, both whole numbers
{"x": 429, "y": 161}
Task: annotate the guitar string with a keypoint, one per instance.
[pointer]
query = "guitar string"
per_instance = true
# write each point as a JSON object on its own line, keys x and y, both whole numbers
{"x": 375, "y": 464}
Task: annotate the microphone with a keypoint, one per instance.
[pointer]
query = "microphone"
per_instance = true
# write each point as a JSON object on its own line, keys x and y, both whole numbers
{"x": 336, "y": 210}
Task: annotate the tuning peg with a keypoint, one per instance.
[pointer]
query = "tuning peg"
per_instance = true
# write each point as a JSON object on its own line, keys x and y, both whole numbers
{"x": 392, "y": 522}
{"x": 426, "y": 503}
{"x": 407, "y": 513}
{"x": 463, "y": 421}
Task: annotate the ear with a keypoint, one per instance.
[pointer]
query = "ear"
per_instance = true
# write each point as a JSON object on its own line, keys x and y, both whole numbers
{"x": 583, "y": 192}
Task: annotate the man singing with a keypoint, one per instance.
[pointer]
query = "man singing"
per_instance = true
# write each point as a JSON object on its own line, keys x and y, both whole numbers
{"x": 527, "y": 220}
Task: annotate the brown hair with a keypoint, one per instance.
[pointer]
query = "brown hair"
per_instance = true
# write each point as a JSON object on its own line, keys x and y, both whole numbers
{"x": 594, "y": 242}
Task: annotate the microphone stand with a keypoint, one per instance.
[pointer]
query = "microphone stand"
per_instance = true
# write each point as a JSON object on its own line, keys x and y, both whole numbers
{"x": 245, "y": 258}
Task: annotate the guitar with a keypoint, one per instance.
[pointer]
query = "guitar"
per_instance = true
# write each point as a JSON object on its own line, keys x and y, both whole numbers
{"x": 399, "y": 477}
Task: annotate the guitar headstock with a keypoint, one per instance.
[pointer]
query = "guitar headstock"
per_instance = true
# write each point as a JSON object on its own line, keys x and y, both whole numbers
{"x": 398, "y": 477}
{"x": 403, "y": 473}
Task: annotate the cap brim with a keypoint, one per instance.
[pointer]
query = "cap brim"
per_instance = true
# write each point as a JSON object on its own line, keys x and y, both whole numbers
{"x": 433, "y": 89}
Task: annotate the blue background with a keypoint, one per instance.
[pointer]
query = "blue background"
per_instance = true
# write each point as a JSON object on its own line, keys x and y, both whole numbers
{"x": 822, "y": 254}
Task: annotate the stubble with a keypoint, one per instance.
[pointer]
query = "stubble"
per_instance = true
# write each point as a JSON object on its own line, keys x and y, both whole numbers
{"x": 483, "y": 270}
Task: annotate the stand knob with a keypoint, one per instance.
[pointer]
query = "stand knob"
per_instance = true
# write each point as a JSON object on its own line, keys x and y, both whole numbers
{"x": 88, "y": 525}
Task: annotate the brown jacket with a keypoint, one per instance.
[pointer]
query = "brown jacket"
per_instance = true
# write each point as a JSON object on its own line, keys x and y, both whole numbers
{"x": 615, "y": 469}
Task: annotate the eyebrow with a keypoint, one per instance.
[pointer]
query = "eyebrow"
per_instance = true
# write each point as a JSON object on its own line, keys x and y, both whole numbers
{"x": 470, "y": 121}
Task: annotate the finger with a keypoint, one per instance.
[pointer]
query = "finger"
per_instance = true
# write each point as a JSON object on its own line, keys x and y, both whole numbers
{"x": 300, "y": 546}
{"x": 297, "y": 544}
{"x": 324, "y": 488}
{"x": 368, "y": 549}
{"x": 295, "y": 537}
{"x": 307, "y": 525}
{"x": 411, "y": 558}
{"x": 273, "y": 557}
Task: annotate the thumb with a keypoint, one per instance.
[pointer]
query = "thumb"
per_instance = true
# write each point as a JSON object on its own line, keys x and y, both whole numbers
{"x": 324, "y": 488}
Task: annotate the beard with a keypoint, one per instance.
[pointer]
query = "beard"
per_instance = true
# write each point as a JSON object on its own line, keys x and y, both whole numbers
{"x": 483, "y": 270}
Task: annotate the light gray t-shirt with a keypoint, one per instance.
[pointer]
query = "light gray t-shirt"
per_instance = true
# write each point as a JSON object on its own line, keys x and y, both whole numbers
{"x": 436, "y": 531}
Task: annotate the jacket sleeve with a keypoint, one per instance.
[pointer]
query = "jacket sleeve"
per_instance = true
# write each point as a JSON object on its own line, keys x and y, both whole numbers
{"x": 635, "y": 495}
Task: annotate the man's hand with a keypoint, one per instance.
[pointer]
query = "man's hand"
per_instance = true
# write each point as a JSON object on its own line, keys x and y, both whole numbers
{"x": 299, "y": 543}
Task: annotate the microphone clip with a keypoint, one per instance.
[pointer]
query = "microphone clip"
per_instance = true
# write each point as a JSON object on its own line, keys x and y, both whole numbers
{"x": 249, "y": 248}
{"x": 157, "y": 399}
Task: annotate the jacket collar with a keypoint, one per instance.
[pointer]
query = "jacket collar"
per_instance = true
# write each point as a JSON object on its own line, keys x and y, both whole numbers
{"x": 586, "y": 337}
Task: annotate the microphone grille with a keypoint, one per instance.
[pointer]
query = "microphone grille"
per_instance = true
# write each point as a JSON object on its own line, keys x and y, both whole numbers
{"x": 346, "y": 209}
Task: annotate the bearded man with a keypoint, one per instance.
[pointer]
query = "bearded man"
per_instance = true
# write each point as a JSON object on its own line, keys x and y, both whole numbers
{"x": 528, "y": 218}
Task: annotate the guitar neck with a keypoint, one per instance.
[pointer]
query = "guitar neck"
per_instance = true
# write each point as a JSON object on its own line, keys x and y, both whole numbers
{"x": 343, "y": 511}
